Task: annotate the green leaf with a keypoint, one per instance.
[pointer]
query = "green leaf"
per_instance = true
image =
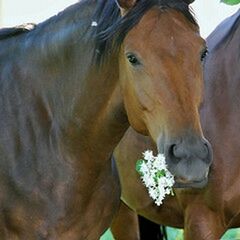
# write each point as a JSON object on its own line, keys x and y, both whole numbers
{"x": 231, "y": 2}
{"x": 138, "y": 166}
{"x": 160, "y": 173}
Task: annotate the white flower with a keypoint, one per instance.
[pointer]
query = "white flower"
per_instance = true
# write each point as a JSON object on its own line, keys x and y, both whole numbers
{"x": 148, "y": 155}
{"x": 159, "y": 162}
{"x": 148, "y": 181}
{"x": 153, "y": 193}
{"x": 144, "y": 168}
{"x": 155, "y": 176}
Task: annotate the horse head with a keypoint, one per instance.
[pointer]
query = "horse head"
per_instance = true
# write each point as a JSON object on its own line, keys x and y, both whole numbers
{"x": 162, "y": 85}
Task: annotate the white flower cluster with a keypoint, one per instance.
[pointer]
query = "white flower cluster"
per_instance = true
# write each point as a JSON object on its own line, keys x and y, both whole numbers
{"x": 155, "y": 176}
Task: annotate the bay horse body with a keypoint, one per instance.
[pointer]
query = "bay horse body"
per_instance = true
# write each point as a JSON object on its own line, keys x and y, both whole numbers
{"x": 70, "y": 88}
{"x": 204, "y": 214}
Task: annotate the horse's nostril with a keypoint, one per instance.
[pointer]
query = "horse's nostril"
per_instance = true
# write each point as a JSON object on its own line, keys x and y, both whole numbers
{"x": 207, "y": 153}
{"x": 206, "y": 149}
{"x": 173, "y": 153}
{"x": 174, "y": 149}
{"x": 200, "y": 149}
{"x": 171, "y": 150}
{"x": 179, "y": 151}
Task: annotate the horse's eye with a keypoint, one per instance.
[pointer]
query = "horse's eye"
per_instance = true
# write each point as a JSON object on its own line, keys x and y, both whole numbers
{"x": 204, "y": 54}
{"x": 133, "y": 59}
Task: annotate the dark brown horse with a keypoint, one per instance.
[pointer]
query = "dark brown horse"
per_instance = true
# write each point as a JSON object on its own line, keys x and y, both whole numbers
{"x": 69, "y": 89}
{"x": 205, "y": 214}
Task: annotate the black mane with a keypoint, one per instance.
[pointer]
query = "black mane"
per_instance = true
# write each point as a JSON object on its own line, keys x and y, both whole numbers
{"x": 14, "y": 31}
{"x": 112, "y": 28}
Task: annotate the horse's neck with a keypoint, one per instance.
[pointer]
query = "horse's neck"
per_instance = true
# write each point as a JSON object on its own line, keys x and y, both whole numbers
{"x": 222, "y": 88}
{"x": 55, "y": 62}
{"x": 57, "y": 35}
{"x": 108, "y": 127}
{"x": 100, "y": 119}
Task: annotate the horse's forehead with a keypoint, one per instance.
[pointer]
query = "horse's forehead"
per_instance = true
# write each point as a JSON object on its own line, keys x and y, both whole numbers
{"x": 159, "y": 25}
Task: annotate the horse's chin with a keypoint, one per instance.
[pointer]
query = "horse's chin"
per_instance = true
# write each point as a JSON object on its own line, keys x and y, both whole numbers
{"x": 188, "y": 185}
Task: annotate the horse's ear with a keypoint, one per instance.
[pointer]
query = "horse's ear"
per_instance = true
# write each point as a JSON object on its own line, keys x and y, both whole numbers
{"x": 188, "y": 1}
{"x": 125, "y": 5}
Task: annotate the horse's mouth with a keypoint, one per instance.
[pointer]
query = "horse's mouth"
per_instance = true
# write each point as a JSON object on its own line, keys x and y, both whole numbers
{"x": 181, "y": 183}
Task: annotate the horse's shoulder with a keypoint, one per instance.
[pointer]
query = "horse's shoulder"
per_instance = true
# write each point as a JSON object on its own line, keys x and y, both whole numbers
{"x": 14, "y": 31}
{"x": 224, "y": 30}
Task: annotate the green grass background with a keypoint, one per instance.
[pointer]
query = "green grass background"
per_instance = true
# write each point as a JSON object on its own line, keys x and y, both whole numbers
{"x": 177, "y": 234}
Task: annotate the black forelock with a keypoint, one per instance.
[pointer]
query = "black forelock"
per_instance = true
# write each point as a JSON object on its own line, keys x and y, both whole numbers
{"x": 112, "y": 28}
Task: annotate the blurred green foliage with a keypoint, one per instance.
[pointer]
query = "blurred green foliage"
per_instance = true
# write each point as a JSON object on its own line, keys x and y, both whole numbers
{"x": 231, "y": 2}
{"x": 177, "y": 234}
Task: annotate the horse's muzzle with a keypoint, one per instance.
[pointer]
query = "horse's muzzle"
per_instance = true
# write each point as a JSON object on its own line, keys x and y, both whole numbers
{"x": 189, "y": 160}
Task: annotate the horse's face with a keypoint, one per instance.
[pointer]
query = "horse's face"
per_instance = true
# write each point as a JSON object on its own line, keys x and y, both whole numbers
{"x": 162, "y": 82}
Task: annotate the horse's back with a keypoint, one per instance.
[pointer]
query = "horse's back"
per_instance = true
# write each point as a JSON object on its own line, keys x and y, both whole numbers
{"x": 221, "y": 113}
{"x": 222, "y": 74}
{"x": 224, "y": 31}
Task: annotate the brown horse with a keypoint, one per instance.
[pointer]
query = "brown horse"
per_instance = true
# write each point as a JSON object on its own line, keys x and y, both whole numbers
{"x": 205, "y": 214}
{"x": 69, "y": 89}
